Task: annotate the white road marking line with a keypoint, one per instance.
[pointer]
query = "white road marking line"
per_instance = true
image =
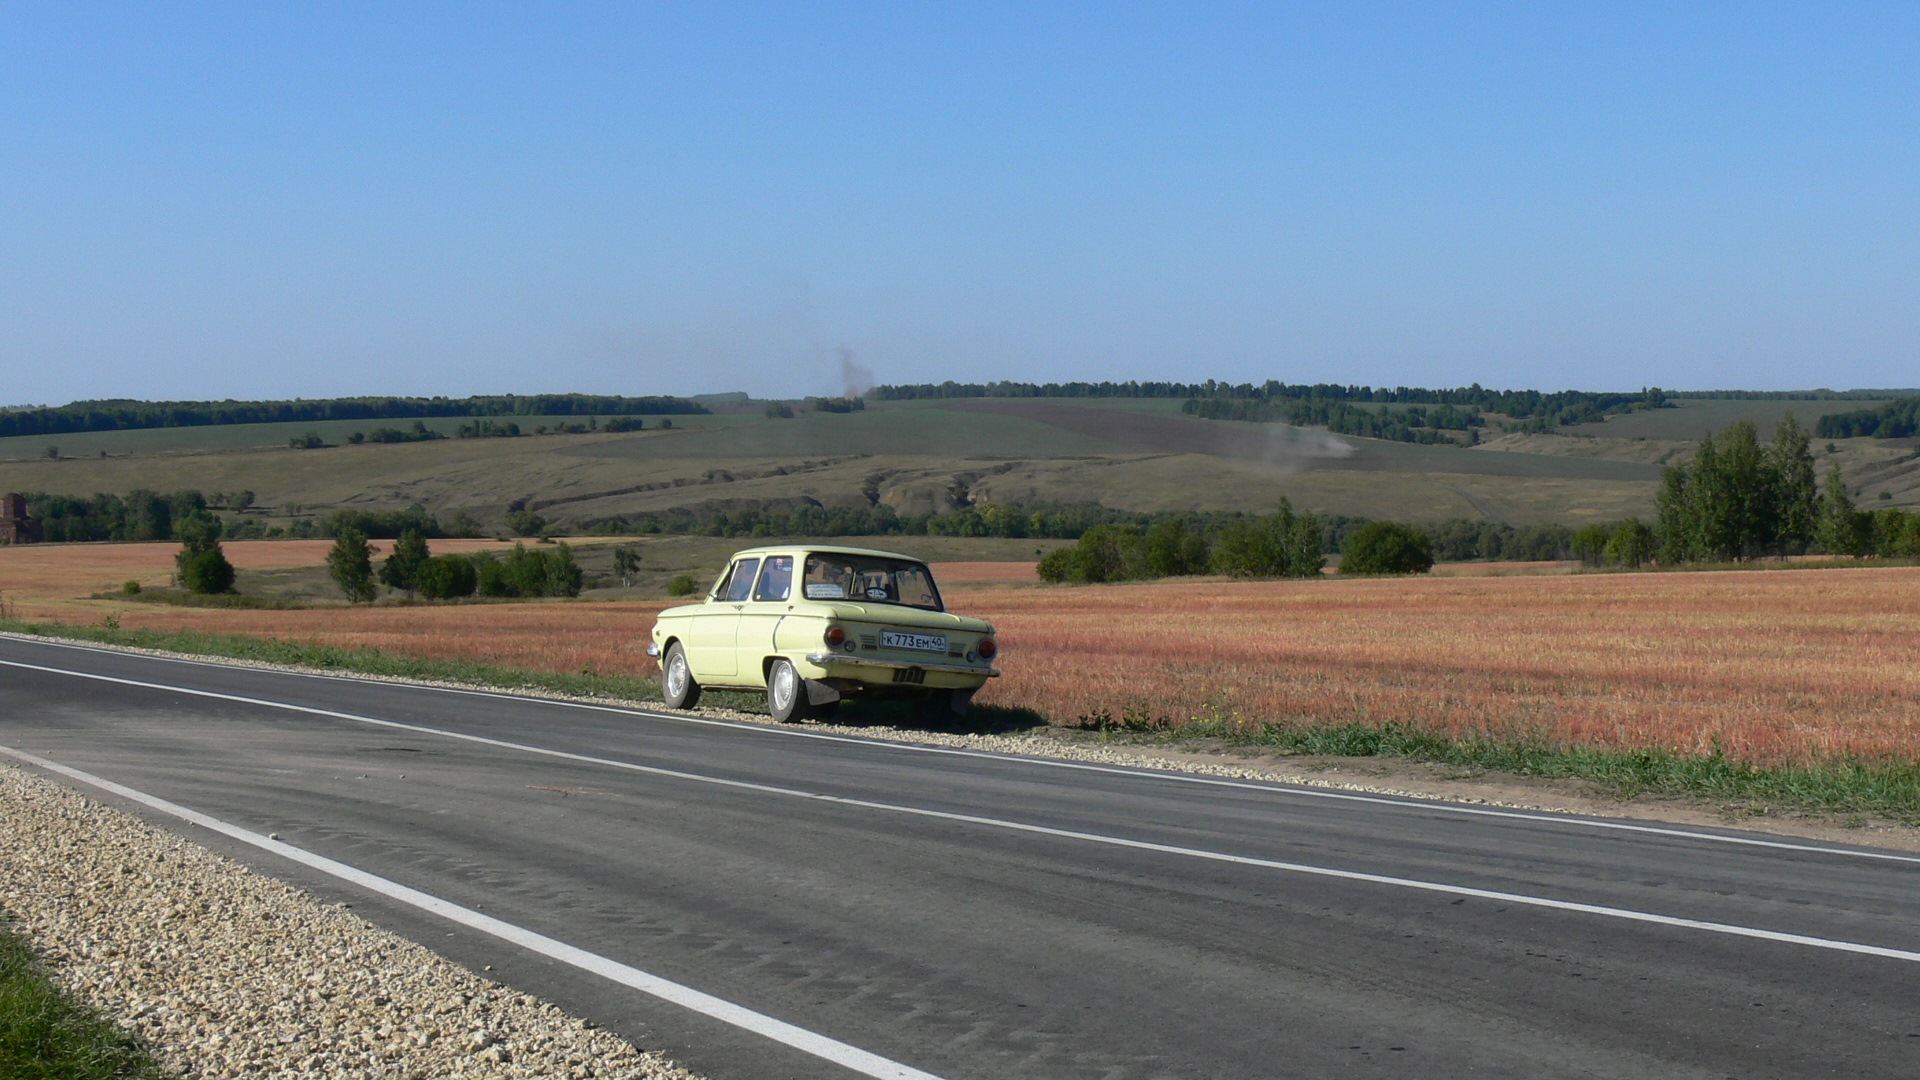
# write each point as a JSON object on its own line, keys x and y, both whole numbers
{"x": 820, "y": 1046}
{"x": 1627, "y": 914}
{"x": 1276, "y": 787}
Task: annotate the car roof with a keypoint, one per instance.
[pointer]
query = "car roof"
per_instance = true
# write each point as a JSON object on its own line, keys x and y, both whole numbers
{"x": 828, "y": 549}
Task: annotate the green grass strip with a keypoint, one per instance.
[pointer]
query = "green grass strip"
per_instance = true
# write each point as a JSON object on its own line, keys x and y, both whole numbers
{"x": 359, "y": 661}
{"x": 1847, "y": 786}
{"x": 46, "y": 1035}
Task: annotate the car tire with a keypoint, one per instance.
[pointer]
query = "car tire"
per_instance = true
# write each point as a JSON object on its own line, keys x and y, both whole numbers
{"x": 677, "y": 686}
{"x": 787, "y": 693}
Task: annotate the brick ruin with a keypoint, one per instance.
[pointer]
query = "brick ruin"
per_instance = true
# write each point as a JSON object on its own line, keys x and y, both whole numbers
{"x": 15, "y": 526}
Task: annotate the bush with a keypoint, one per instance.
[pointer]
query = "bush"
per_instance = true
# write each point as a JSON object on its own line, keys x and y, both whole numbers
{"x": 447, "y": 577}
{"x": 131, "y": 588}
{"x": 1104, "y": 553}
{"x": 526, "y": 523}
{"x": 383, "y": 524}
{"x": 1057, "y": 565}
{"x": 1283, "y": 544}
{"x": 682, "y": 585}
{"x": 1386, "y": 547}
{"x": 1632, "y": 544}
{"x": 402, "y": 569}
{"x": 1590, "y": 544}
{"x": 526, "y": 573}
{"x": 205, "y": 572}
{"x": 1174, "y": 550}
{"x": 201, "y": 566}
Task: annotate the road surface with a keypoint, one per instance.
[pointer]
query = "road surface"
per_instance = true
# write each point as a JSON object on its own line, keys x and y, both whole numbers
{"x": 832, "y": 907}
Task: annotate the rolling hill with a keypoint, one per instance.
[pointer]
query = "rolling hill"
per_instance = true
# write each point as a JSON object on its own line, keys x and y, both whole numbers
{"x": 923, "y": 456}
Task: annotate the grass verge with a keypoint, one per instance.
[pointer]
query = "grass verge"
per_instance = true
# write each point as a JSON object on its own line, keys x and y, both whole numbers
{"x": 1886, "y": 789}
{"x": 45, "y": 1035}
{"x": 360, "y": 661}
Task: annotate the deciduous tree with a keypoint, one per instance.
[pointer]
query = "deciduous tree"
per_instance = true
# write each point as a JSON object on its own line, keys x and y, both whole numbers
{"x": 351, "y": 565}
{"x": 402, "y": 568}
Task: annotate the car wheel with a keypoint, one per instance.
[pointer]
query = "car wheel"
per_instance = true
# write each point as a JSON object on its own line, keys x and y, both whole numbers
{"x": 787, "y": 693}
{"x": 676, "y": 681}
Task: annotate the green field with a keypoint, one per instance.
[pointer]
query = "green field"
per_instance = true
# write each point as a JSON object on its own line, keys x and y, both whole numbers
{"x": 1695, "y": 418}
{"x": 927, "y": 456}
{"x": 247, "y": 436}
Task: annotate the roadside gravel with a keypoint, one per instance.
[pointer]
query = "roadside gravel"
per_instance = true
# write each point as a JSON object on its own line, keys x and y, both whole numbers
{"x": 228, "y": 973}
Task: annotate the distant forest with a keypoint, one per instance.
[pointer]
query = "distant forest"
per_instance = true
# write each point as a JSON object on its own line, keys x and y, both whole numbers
{"x": 1214, "y": 400}
{"x": 1894, "y": 420}
{"x": 120, "y": 415}
{"x": 1411, "y": 423}
{"x": 1558, "y": 407}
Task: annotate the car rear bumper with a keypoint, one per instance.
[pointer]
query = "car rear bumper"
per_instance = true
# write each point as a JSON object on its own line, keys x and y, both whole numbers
{"x": 881, "y": 671}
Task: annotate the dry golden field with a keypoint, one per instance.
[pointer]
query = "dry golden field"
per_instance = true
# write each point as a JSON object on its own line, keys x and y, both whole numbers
{"x": 1771, "y": 666}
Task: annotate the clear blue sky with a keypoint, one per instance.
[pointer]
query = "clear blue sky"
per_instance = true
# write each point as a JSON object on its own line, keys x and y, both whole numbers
{"x": 276, "y": 199}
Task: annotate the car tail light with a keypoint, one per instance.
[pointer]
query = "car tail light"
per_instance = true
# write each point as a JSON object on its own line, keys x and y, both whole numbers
{"x": 836, "y": 636}
{"x": 987, "y": 648}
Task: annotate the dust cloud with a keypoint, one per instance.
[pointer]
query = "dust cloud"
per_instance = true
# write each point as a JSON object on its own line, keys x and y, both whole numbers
{"x": 1291, "y": 449}
{"x": 855, "y": 378}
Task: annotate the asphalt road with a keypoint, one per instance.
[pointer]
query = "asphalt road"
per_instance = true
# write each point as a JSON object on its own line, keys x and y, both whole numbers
{"x": 979, "y": 916}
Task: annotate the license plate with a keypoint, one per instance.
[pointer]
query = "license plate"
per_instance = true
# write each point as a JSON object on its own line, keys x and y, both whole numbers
{"x": 900, "y": 639}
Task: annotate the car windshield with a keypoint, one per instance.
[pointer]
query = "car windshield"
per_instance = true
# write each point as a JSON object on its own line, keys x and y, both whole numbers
{"x": 739, "y": 584}
{"x": 872, "y": 579}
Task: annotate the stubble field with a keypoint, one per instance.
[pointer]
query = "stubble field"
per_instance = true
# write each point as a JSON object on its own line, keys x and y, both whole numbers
{"x": 1774, "y": 667}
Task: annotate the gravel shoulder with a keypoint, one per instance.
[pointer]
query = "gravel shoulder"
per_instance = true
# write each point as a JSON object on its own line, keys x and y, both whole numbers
{"x": 229, "y": 973}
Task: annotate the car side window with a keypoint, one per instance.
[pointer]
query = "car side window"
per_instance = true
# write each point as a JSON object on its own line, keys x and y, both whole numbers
{"x": 776, "y": 579}
{"x": 741, "y": 582}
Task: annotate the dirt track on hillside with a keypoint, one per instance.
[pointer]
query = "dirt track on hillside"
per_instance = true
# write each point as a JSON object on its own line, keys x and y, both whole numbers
{"x": 1285, "y": 446}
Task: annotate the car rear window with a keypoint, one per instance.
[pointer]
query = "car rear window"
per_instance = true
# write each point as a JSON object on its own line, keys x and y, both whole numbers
{"x": 870, "y": 579}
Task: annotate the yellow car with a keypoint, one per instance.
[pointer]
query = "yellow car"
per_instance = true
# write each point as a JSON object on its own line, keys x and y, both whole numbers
{"x": 812, "y": 625}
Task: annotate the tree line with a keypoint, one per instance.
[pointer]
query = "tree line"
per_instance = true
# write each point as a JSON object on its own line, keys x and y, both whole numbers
{"x": 1737, "y": 499}
{"x": 1556, "y": 407}
{"x": 1895, "y": 420}
{"x": 1452, "y": 540}
{"x": 1283, "y": 544}
{"x": 1410, "y": 423}
{"x": 140, "y": 514}
{"x": 874, "y": 518}
{"x": 412, "y": 568}
{"x": 201, "y": 566}
{"x": 1740, "y": 499}
{"x": 121, "y": 415}
{"x": 144, "y": 515}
